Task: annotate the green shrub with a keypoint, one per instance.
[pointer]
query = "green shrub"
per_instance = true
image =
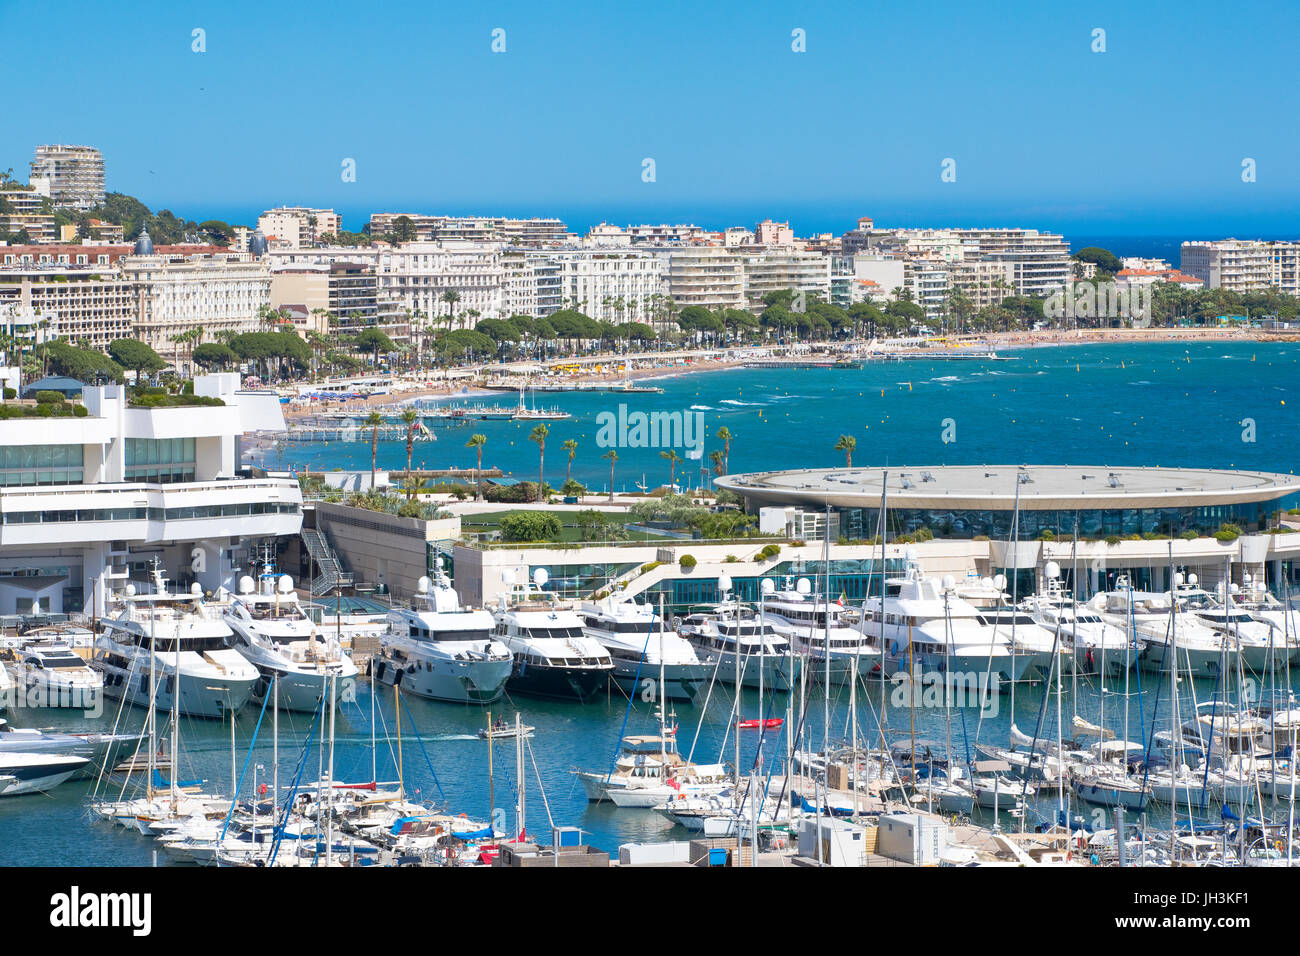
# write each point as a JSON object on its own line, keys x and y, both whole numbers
{"x": 10, "y": 393}
{"x": 769, "y": 551}
{"x": 1046, "y": 535}
{"x": 1189, "y": 535}
{"x": 529, "y": 526}
{"x": 730, "y": 559}
{"x": 49, "y": 396}
{"x": 1228, "y": 532}
{"x": 923, "y": 534}
{"x": 650, "y": 567}
{"x": 80, "y": 411}
{"x": 687, "y": 561}
{"x": 1113, "y": 539}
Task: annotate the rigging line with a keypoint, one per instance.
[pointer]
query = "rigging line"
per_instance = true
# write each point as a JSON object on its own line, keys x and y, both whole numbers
{"x": 713, "y": 679}
{"x": 636, "y": 682}
{"x": 279, "y": 828}
{"x": 540, "y": 786}
{"x": 1042, "y": 713}
{"x": 234, "y": 797}
{"x": 420, "y": 740}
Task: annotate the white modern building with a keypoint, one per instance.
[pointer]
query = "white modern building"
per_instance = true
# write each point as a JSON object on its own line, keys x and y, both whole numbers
{"x": 87, "y": 504}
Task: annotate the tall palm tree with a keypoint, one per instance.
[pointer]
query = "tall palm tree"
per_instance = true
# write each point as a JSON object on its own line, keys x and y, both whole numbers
{"x": 571, "y": 446}
{"x": 451, "y": 297}
{"x": 715, "y": 457}
{"x": 373, "y": 423}
{"x": 612, "y": 455}
{"x": 411, "y": 419}
{"x": 846, "y": 444}
{"x": 724, "y": 436}
{"x": 477, "y": 442}
{"x": 538, "y": 434}
{"x": 672, "y": 458}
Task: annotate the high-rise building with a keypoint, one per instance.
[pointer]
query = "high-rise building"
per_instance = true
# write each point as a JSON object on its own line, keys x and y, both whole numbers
{"x": 75, "y": 174}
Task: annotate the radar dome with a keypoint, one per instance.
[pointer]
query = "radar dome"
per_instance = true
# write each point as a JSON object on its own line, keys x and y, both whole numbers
{"x": 803, "y": 586}
{"x": 1051, "y": 570}
{"x": 245, "y": 585}
{"x": 285, "y": 584}
{"x": 422, "y": 585}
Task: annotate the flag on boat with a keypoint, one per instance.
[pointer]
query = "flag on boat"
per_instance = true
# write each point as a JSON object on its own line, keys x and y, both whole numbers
{"x": 843, "y": 598}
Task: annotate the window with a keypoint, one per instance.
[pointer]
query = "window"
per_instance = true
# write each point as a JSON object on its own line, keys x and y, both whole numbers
{"x": 162, "y": 460}
{"x": 41, "y": 465}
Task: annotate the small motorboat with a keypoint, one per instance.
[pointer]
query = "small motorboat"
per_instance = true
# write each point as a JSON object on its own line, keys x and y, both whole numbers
{"x": 503, "y": 731}
{"x": 770, "y": 723}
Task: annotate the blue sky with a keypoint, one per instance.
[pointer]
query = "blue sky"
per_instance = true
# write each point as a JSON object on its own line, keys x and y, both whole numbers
{"x": 1147, "y": 137}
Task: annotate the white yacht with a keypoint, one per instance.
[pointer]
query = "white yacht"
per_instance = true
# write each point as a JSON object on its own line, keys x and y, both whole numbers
{"x": 191, "y": 653}
{"x": 645, "y": 648}
{"x": 6, "y": 689}
{"x": 925, "y": 628}
{"x": 812, "y": 624}
{"x": 553, "y": 657}
{"x": 49, "y": 674}
{"x": 649, "y": 771}
{"x": 1263, "y": 606}
{"x": 732, "y": 629}
{"x": 1155, "y": 623}
{"x": 1095, "y": 645}
{"x": 23, "y": 772}
{"x": 273, "y": 632}
{"x": 1258, "y": 643}
{"x": 437, "y": 649}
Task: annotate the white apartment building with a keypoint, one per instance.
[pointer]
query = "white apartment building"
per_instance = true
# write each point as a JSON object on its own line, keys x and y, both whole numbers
{"x": 666, "y": 234}
{"x": 298, "y": 227}
{"x": 533, "y": 233}
{"x": 779, "y": 268}
{"x": 75, "y": 175}
{"x": 26, "y": 212}
{"x": 1244, "y": 265}
{"x": 520, "y": 287}
{"x": 86, "y": 504}
{"x": 178, "y": 293}
{"x": 708, "y": 276}
{"x": 614, "y": 286}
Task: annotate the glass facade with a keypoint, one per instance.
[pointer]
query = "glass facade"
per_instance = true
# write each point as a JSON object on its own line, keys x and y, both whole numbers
{"x": 41, "y": 465}
{"x": 161, "y": 460}
{"x": 855, "y": 579}
{"x": 861, "y": 523}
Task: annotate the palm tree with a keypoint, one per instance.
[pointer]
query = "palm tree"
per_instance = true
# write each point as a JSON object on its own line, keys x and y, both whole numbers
{"x": 538, "y": 434}
{"x": 715, "y": 457}
{"x": 571, "y": 446}
{"x": 477, "y": 442}
{"x": 846, "y": 444}
{"x": 451, "y": 297}
{"x": 724, "y": 436}
{"x": 672, "y": 458}
{"x": 373, "y": 423}
{"x": 410, "y": 418}
{"x": 612, "y": 455}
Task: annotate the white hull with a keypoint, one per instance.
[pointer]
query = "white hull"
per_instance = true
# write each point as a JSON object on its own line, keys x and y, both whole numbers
{"x": 459, "y": 682}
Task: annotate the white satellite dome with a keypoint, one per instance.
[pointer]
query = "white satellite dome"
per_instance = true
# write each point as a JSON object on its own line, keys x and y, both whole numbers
{"x": 1051, "y": 570}
{"x": 948, "y": 582}
{"x": 130, "y": 590}
{"x": 803, "y": 586}
{"x": 196, "y": 589}
{"x": 1192, "y": 579}
{"x": 767, "y": 586}
{"x": 1000, "y": 582}
{"x": 540, "y": 577}
{"x": 245, "y": 585}
{"x": 724, "y": 583}
{"x": 285, "y": 584}
{"x": 422, "y": 585}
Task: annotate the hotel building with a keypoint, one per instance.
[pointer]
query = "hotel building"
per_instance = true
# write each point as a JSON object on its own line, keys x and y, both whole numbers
{"x": 1244, "y": 265}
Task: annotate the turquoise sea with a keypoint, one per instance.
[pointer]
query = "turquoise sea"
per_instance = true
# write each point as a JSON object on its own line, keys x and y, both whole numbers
{"x": 1100, "y": 404}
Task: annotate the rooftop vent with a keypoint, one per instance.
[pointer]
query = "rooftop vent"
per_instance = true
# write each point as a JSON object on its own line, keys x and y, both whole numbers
{"x": 926, "y": 476}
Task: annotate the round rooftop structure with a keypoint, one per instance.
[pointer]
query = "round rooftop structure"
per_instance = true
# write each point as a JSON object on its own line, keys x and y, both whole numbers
{"x": 995, "y": 487}
{"x": 143, "y": 244}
